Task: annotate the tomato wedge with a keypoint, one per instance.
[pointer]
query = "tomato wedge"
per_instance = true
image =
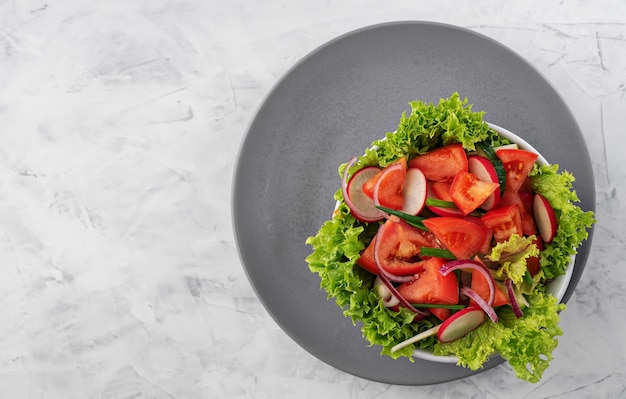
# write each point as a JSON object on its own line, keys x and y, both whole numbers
{"x": 459, "y": 236}
{"x": 517, "y": 163}
{"x": 399, "y": 250}
{"x": 524, "y": 201}
{"x": 468, "y": 193}
{"x": 441, "y": 164}
{"x": 390, "y": 189}
{"x": 441, "y": 313}
{"x": 486, "y": 248}
{"x": 504, "y": 221}
{"x": 431, "y": 286}
{"x": 441, "y": 190}
{"x": 481, "y": 287}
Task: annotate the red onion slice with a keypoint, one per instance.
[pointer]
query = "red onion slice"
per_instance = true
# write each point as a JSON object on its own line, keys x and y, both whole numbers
{"x": 509, "y": 290}
{"x": 473, "y": 265}
{"x": 481, "y": 302}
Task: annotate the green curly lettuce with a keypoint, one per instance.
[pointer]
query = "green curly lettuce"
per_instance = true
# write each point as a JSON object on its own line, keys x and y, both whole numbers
{"x": 526, "y": 343}
{"x": 572, "y": 221}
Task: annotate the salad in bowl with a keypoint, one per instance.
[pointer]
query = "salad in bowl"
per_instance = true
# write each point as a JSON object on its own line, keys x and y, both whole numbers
{"x": 452, "y": 241}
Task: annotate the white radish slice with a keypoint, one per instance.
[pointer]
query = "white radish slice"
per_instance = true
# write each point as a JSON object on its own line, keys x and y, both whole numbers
{"x": 460, "y": 323}
{"x": 484, "y": 170}
{"x": 545, "y": 218}
{"x": 414, "y": 191}
{"x": 361, "y": 206}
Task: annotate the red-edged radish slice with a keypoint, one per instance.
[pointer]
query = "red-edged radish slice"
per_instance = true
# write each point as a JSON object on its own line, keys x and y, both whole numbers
{"x": 361, "y": 206}
{"x": 485, "y": 171}
{"x": 441, "y": 211}
{"x": 414, "y": 191}
{"x": 460, "y": 323}
{"x": 545, "y": 218}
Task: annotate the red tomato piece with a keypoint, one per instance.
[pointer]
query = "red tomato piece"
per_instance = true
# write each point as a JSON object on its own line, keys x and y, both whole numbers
{"x": 399, "y": 249}
{"x": 441, "y": 189}
{"x": 390, "y": 190}
{"x": 431, "y": 286}
{"x": 459, "y": 236}
{"x": 481, "y": 287}
{"x": 367, "y": 260}
{"x": 441, "y": 164}
{"x": 486, "y": 248}
{"x": 441, "y": 313}
{"x": 533, "y": 263}
{"x": 524, "y": 201}
{"x": 468, "y": 193}
{"x": 517, "y": 164}
{"x": 504, "y": 221}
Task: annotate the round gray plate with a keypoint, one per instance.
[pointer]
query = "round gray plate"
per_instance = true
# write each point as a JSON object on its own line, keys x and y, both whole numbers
{"x": 330, "y": 106}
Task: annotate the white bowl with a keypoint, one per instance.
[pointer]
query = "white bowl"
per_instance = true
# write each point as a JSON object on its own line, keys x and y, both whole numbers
{"x": 556, "y": 287}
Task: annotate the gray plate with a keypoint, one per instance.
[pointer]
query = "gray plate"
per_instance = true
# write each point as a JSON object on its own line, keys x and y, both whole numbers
{"x": 330, "y": 106}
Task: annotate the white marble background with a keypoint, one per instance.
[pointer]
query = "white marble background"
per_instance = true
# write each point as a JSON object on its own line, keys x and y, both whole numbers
{"x": 120, "y": 122}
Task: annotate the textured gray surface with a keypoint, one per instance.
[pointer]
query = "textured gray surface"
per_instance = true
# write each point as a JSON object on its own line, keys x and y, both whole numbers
{"x": 332, "y": 105}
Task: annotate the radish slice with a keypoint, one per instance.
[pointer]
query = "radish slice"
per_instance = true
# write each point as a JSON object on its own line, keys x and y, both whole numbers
{"x": 389, "y": 169}
{"x": 512, "y": 298}
{"x": 545, "y": 218}
{"x": 414, "y": 191}
{"x": 484, "y": 170}
{"x": 481, "y": 302}
{"x": 361, "y": 206}
{"x": 460, "y": 323}
{"x": 473, "y": 265}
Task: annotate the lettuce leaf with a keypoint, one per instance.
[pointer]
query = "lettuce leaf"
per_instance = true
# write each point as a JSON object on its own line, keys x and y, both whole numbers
{"x": 573, "y": 222}
{"x": 429, "y": 126}
{"x": 512, "y": 254}
{"x": 526, "y": 343}
{"x": 337, "y": 246}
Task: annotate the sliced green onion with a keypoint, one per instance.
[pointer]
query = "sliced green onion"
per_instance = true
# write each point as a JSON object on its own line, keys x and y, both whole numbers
{"x": 437, "y": 253}
{"x": 415, "y": 221}
{"x": 440, "y": 203}
{"x": 438, "y": 306}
